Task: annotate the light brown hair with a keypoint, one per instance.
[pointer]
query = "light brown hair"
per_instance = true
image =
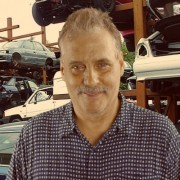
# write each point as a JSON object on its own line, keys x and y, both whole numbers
{"x": 87, "y": 19}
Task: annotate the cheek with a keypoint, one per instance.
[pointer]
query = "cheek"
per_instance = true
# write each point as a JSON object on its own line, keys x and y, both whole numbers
{"x": 72, "y": 81}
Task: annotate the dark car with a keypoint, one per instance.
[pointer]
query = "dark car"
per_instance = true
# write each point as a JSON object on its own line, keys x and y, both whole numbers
{"x": 14, "y": 90}
{"x": 21, "y": 87}
{"x": 46, "y": 12}
{"x": 26, "y": 56}
{"x": 8, "y": 137}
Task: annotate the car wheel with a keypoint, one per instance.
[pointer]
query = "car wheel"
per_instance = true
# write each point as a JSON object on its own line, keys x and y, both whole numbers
{"x": 16, "y": 60}
{"x": 39, "y": 16}
{"x": 37, "y": 75}
{"x": 49, "y": 62}
{"x": 1, "y": 112}
{"x": 61, "y": 16}
{"x": 104, "y": 5}
{"x": 16, "y": 120}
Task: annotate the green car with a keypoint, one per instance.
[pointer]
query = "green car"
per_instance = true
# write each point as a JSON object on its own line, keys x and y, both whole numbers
{"x": 8, "y": 137}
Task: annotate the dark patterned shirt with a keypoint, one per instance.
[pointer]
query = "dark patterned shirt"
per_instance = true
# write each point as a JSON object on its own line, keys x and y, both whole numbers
{"x": 140, "y": 145}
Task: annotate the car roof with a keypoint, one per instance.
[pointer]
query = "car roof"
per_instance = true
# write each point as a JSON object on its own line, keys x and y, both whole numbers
{"x": 23, "y": 77}
{"x": 25, "y": 40}
{"x": 12, "y": 127}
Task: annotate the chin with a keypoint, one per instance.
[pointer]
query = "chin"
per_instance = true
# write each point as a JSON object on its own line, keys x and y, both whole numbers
{"x": 93, "y": 111}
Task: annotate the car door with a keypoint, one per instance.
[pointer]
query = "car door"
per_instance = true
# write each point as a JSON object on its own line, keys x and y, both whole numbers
{"x": 29, "y": 54}
{"x": 41, "y": 54}
{"x": 42, "y": 101}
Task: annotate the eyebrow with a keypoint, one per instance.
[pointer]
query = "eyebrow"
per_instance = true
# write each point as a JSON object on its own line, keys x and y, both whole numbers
{"x": 75, "y": 62}
{"x": 98, "y": 60}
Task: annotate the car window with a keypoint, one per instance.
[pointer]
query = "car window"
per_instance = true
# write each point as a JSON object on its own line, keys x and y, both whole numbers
{"x": 42, "y": 95}
{"x": 38, "y": 46}
{"x": 13, "y": 44}
{"x": 28, "y": 45}
{"x": 32, "y": 85}
{"x": 46, "y": 49}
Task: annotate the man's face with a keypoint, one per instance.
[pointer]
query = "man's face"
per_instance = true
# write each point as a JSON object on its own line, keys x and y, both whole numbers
{"x": 92, "y": 71}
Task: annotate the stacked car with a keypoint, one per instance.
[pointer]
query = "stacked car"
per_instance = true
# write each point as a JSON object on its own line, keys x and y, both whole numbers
{"x": 157, "y": 57}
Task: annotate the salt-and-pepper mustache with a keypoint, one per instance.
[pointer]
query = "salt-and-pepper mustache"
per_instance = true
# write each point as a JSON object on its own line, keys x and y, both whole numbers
{"x": 91, "y": 90}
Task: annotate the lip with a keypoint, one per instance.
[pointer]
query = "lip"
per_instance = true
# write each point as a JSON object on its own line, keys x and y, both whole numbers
{"x": 92, "y": 94}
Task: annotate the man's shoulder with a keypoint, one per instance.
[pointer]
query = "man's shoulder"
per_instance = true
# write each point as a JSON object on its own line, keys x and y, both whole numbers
{"x": 50, "y": 119}
{"x": 150, "y": 121}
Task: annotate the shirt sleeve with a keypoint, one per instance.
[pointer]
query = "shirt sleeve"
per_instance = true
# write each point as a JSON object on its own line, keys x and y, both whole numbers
{"x": 173, "y": 157}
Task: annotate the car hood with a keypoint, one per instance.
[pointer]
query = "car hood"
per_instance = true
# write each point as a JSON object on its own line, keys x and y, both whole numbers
{"x": 13, "y": 111}
{"x": 10, "y": 88}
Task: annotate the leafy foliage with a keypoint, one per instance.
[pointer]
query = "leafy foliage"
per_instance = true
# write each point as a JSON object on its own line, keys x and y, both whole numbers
{"x": 128, "y": 56}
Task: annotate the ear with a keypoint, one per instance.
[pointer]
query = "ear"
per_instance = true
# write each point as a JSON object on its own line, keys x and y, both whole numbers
{"x": 121, "y": 63}
{"x": 62, "y": 71}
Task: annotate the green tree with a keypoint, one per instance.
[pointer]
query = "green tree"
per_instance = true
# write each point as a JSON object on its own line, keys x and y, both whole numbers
{"x": 129, "y": 57}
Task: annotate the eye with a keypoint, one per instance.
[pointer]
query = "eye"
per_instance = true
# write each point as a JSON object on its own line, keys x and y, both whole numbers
{"x": 102, "y": 66}
{"x": 78, "y": 68}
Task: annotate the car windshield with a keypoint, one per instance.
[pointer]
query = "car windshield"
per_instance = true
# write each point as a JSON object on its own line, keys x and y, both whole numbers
{"x": 33, "y": 85}
{"x": 7, "y": 140}
{"x": 13, "y": 44}
{"x": 42, "y": 95}
{"x": 11, "y": 82}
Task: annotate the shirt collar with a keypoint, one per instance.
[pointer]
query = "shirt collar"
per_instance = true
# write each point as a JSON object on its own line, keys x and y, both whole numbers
{"x": 124, "y": 119}
{"x": 67, "y": 125}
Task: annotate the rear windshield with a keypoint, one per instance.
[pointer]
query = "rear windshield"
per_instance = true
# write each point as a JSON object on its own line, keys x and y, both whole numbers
{"x": 7, "y": 140}
{"x": 13, "y": 44}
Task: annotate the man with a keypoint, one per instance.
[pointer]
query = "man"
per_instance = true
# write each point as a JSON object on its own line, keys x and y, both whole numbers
{"x": 99, "y": 135}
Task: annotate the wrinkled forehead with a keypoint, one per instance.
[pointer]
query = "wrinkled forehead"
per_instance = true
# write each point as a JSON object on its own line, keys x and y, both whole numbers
{"x": 92, "y": 35}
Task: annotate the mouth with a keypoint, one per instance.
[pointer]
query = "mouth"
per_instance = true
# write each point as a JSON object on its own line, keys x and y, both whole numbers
{"x": 92, "y": 94}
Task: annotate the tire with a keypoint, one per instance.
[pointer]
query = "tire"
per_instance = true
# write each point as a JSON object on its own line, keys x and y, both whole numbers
{"x": 39, "y": 16}
{"x": 16, "y": 60}
{"x": 49, "y": 62}
{"x": 61, "y": 16}
{"x": 16, "y": 120}
{"x": 1, "y": 113}
{"x": 105, "y": 5}
{"x": 37, "y": 75}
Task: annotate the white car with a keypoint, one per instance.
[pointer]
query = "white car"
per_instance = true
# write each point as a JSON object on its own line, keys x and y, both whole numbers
{"x": 41, "y": 100}
{"x": 158, "y": 57}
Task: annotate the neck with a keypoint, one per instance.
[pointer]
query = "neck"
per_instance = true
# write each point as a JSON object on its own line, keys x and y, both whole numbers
{"x": 94, "y": 126}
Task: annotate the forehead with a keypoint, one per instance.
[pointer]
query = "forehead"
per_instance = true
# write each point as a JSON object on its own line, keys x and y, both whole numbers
{"x": 98, "y": 41}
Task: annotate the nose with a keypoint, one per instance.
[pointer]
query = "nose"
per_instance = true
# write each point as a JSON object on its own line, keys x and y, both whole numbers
{"x": 91, "y": 77}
